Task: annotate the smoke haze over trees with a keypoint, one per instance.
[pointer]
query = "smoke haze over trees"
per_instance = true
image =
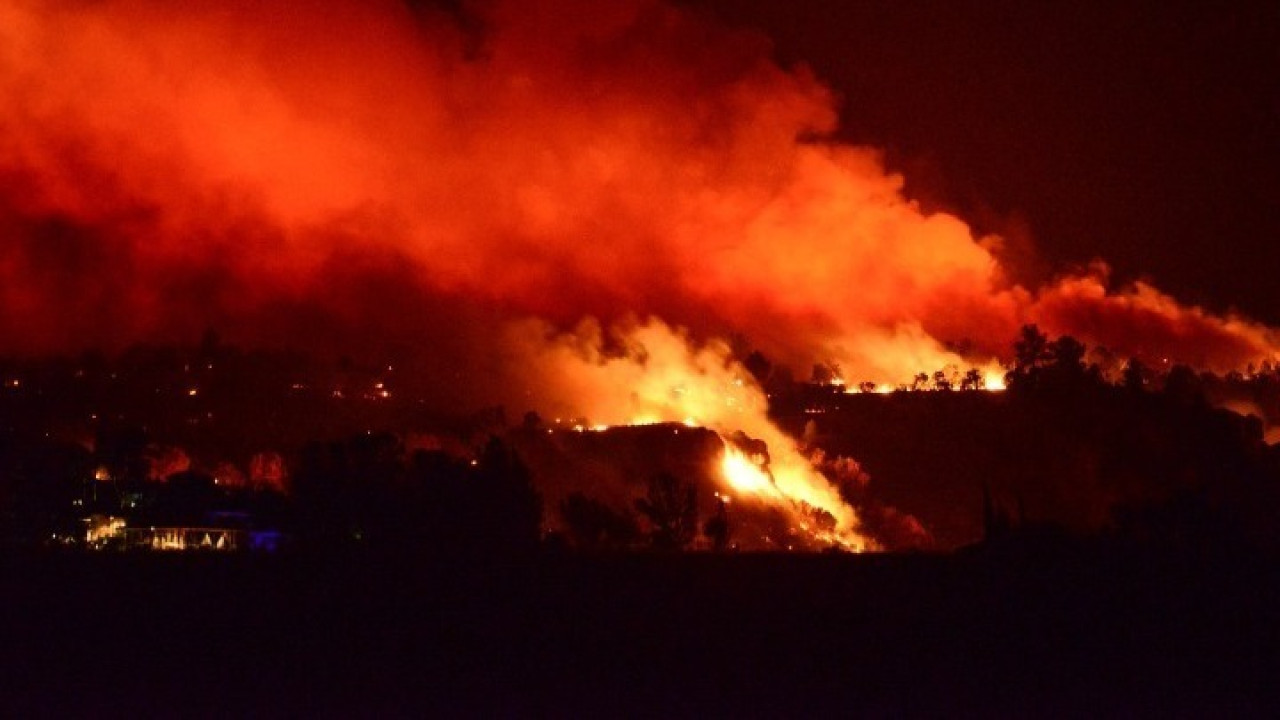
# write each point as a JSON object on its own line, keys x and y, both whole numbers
{"x": 366, "y": 175}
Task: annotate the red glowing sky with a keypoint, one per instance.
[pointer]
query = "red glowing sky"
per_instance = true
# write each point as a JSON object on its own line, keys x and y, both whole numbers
{"x": 1143, "y": 133}
{"x": 344, "y": 174}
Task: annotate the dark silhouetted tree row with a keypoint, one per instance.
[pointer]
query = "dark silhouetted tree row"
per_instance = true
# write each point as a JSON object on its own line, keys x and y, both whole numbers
{"x": 1127, "y": 450}
{"x": 594, "y": 526}
{"x": 1151, "y": 457}
{"x": 368, "y": 492}
{"x": 671, "y": 506}
{"x": 670, "y": 513}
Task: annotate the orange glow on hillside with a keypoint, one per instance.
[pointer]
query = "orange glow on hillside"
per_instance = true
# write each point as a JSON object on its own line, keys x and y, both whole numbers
{"x": 744, "y": 474}
{"x": 562, "y": 206}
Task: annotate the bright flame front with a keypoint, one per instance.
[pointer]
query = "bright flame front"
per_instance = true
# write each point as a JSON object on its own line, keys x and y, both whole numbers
{"x": 743, "y": 474}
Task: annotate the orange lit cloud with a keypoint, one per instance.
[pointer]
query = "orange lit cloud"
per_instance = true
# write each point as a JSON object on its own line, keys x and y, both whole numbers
{"x": 313, "y": 171}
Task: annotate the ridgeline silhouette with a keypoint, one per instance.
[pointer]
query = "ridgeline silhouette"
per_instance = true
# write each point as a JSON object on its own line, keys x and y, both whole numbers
{"x": 342, "y": 457}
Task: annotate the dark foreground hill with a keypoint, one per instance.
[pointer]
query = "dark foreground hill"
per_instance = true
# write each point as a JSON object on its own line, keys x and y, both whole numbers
{"x": 1047, "y": 628}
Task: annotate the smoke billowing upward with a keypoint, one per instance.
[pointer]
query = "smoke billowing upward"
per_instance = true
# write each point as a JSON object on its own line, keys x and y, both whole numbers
{"x": 339, "y": 172}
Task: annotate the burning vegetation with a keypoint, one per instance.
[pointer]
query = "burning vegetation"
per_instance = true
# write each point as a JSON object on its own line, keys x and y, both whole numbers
{"x": 1147, "y": 454}
{"x": 594, "y": 212}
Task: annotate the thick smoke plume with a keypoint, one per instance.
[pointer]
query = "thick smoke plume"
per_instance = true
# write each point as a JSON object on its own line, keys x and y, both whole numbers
{"x": 560, "y": 204}
{"x": 383, "y": 171}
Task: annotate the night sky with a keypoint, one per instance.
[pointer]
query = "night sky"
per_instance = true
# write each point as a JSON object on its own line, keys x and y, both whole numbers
{"x": 888, "y": 187}
{"x": 1142, "y": 133}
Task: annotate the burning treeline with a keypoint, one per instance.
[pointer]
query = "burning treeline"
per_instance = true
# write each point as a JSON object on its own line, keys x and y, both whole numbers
{"x": 467, "y": 186}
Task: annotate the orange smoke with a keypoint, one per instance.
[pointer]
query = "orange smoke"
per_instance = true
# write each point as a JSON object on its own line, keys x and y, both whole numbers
{"x": 360, "y": 168}
{"x": 650, "y": 373}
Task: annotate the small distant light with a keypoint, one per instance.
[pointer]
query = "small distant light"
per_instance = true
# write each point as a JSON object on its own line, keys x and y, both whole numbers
{"x": 193, "y": 392}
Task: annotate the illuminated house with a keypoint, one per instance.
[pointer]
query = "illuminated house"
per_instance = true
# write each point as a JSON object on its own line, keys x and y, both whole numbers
{"x": 186, "y": 538}
{"x": 221, "y": 531}
{"x": 102, "y": 530}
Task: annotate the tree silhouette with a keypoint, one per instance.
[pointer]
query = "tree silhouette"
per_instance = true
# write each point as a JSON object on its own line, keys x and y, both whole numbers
{"x": 186, "y": 498}
{"x": 672, "y": 509}
{"x": 122, "y": 449}
{"x": 1183, "y": 386}
{"x": 973, "y": 380}
{"x": 1030, "y": 354}
{"x": 508, "y": 516}
{"x": 1030, "y": 350}
{"x": 363, "y": 491}
{"x": 1135, "y": 375}
{"x": 592, "y": 525}
{"x": 325, "y": 493}
{"x": 823, "y": 374}
{"x": 1056, "y": 366}
{"x": 717, "y": 527}
{"x": 44, "y": 480}
{"x": 1066, "y": 355}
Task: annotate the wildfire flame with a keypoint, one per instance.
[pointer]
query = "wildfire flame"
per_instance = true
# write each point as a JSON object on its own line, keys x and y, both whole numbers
{"x": 288, "y": 174}
{"x": 650, "y": 373}
{"x": 747, "y": 475}
{"x": 744, "y": 474}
